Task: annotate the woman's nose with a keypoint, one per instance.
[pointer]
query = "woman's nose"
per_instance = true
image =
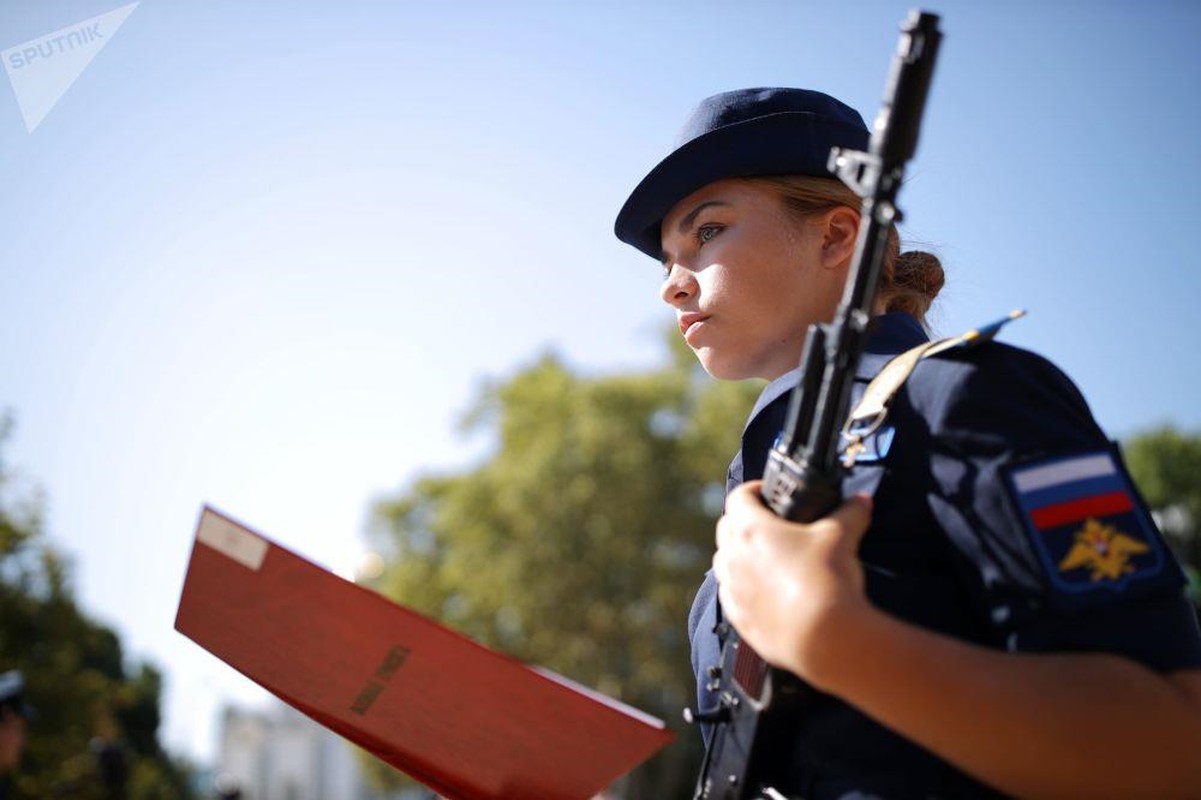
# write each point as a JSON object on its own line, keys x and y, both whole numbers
{"x": 678, "y": 286}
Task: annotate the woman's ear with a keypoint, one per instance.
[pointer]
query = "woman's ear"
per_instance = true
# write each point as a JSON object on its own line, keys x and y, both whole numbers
{"x": 840, "y": 229}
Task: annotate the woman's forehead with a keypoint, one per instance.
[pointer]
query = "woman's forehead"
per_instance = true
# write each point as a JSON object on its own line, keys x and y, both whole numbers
{"x": 728, "y": 191}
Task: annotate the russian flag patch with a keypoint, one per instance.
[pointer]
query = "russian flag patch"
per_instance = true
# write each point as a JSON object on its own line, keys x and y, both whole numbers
{"x": 1086, "y": 522}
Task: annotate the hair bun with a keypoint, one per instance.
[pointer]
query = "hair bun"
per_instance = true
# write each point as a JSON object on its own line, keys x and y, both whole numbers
{"x": 917, "y": 279}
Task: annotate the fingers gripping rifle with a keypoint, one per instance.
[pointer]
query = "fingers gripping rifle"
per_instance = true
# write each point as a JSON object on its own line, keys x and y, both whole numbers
{"x": 755, "y": 722}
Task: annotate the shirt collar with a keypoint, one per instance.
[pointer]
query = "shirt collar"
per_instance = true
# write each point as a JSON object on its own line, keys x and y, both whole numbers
{"x": 888, "y": 334}
{"x": 893, "y": 333}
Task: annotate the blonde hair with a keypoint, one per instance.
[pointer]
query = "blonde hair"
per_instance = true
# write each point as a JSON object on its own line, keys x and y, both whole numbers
{"x": 911, "y": 280}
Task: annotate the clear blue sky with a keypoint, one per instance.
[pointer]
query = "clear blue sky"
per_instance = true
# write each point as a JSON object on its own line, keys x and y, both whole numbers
{"x": 264, "y": 255}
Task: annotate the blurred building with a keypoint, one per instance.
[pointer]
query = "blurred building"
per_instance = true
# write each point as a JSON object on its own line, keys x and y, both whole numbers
{"x": 280, "y": 754}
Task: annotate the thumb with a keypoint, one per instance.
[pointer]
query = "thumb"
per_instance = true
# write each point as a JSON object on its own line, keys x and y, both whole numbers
{"x": 746, "y": 497}
{"x": 851, "y": 520}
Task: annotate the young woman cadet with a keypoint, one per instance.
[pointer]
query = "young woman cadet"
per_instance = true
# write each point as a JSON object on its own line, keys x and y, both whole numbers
{"x": 1001, "y": 617}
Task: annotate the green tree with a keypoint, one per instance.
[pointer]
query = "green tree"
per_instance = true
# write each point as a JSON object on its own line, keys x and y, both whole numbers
{"x": 96, "y": 730}
{"x": 1166, "y": 464}
{"x": 580, "y": 541}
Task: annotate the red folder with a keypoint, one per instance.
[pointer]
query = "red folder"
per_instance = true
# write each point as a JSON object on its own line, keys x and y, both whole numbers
{"x": 466, "y": 721}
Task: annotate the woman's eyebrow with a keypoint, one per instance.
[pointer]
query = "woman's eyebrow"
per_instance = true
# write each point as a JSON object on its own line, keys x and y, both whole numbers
{"x": 687, "y": 221}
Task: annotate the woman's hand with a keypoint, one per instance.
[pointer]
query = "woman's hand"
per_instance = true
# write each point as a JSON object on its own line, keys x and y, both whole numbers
{"x": 790, "y": 589}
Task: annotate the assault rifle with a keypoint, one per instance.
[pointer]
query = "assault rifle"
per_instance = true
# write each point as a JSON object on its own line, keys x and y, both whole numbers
{"x": 756, "y": 720}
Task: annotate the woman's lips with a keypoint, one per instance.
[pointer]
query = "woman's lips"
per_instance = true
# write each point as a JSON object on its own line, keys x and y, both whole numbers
{"x": 690, "y": 324}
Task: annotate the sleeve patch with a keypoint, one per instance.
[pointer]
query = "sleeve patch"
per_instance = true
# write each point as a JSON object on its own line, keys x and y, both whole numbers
{"x": 1088, "y": 526}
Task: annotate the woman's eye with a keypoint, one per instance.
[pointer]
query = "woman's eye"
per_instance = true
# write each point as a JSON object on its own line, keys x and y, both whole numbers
{"x": 706, "y": 233}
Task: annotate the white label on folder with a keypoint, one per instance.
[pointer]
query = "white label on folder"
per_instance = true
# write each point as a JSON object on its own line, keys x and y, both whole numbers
{"x": 236, "y": 542}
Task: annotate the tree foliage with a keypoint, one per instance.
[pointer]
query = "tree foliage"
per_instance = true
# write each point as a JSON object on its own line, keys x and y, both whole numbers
{"x": 579, "y": 543}
{"x": 96, "y": 730}
{"x": 1166, "y": 464}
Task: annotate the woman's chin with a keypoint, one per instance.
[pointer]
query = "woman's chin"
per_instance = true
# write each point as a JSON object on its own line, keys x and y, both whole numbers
{"x": 724, "y": 369}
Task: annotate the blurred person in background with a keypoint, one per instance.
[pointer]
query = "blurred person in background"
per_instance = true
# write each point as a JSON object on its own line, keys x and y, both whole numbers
{"x": 14, "y": 717}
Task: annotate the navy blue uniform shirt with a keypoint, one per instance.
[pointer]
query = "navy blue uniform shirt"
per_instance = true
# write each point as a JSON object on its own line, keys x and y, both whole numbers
{"x": 1002, "y": 516}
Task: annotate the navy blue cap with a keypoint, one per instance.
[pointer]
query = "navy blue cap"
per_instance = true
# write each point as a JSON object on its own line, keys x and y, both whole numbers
{"x": 12, "y": 689}
{"x": 740, "y": 134}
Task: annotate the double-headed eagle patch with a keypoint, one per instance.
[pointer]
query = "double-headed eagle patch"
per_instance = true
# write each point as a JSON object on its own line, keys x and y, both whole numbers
{"x": 1103, "y": 550}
